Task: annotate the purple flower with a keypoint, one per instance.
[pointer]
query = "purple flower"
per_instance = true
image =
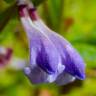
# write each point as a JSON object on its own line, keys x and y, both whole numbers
{"x": 52, "y": 58}
{"x": 5, "y": 56}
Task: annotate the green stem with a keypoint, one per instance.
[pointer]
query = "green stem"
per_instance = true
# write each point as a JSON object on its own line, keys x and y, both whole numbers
{"x": 37, "y": 2}
{"x": 6, "y": 15}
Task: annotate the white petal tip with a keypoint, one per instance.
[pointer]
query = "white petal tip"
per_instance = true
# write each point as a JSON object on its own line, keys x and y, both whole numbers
{"x": 27, "y": 70}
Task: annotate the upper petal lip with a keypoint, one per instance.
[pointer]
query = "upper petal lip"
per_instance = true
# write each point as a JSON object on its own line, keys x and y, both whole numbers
{"x": 50, "y": 57}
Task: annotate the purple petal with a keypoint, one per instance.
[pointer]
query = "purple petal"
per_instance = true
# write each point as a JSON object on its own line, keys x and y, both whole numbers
{"x": 37, "y": 76}
{"x": 43, "y": 54}
{"x": 42, "y": 50}
{"x": 64, "y": 79}
{"x": 73, "y": 62}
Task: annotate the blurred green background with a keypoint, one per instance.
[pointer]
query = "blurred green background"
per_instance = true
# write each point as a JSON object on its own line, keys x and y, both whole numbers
{"x": 73, "y": 19}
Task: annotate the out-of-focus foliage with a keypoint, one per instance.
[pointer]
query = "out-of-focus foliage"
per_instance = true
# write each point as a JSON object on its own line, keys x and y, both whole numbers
{"x": 36, "y": 2}
{"x": 73, "y": 19}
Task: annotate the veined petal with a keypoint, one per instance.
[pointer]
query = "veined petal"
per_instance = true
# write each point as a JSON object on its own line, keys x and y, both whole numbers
{"x": 64, "y": 78}
{"x": 42, "y": 51}
{"x": 38, "y": 76}
{"x": 70, "y": 57}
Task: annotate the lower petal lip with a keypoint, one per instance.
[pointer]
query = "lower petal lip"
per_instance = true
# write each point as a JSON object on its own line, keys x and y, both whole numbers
{"x": 81, "y": 76}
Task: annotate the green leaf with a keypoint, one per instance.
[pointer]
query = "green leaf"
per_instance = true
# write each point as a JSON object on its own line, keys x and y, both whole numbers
{"x": 6, "y": 15}
{"x": 3, "y": 5}
{"x": 9, "y": 1}
{"x": 36, "y": 2}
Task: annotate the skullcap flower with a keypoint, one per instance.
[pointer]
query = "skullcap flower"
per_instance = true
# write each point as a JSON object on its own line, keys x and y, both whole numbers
{"x": 52, "y": 58}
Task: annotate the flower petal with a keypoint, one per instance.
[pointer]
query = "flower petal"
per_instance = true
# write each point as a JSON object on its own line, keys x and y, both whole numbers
{"x": 70, "y": 57}
{"x": 38, "y": 76}
{"x": 35, "y": 75}
{"x": 64, "y": 79}
{"x": 43, "y": 51}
